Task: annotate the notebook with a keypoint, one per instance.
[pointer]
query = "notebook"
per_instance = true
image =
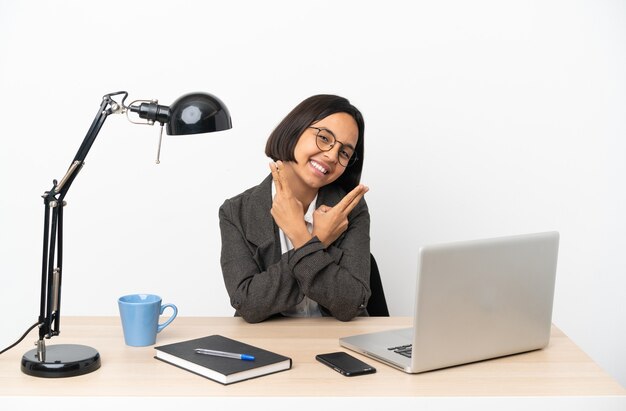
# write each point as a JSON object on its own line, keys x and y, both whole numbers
{"x": 220, "y": 369}
{"x": 475, "y": 300}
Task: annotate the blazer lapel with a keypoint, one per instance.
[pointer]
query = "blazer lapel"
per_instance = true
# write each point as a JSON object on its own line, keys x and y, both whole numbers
{"x": 260, "y": 227}
{"x": 329, "y": 195}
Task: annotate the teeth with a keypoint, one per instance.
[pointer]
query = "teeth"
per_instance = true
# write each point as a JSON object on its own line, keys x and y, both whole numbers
{"x": 319, "y": 167}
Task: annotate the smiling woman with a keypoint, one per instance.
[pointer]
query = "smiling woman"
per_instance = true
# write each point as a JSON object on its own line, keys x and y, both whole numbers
{"x": 298, "y": 243}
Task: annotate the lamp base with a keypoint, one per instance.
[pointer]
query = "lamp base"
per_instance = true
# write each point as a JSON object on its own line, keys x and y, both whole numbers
{"x": 61, "y": 360}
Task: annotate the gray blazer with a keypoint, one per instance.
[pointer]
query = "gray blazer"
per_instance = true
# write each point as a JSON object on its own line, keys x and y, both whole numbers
{"x": 261, "y": 282}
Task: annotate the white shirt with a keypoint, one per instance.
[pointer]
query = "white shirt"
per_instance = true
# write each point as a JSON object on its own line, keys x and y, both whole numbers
{"x": 306, "y": 307}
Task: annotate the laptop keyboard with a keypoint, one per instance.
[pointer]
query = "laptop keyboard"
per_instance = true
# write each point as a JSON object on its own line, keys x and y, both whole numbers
{"x": 404, "y": 350}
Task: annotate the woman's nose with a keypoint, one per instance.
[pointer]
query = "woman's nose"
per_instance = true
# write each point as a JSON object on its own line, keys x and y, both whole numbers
{"x": 333, "y": 153}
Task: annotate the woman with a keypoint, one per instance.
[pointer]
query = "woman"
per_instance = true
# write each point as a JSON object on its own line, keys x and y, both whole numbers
{"x": 298, "y": 243}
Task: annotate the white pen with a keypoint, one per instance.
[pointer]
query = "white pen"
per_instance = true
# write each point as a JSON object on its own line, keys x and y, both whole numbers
{"x": 244, "y": 357}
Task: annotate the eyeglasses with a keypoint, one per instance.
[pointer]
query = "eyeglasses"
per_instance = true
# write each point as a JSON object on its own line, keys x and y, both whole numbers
{"x": 326, "y": 140}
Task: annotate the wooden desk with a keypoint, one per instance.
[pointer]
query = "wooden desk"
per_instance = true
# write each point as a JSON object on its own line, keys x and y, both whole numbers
{"x": 561, "y": 369}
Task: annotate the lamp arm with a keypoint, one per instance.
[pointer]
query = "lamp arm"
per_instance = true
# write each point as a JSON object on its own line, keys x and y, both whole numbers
{"x": 107, "y": 107}
{"x": 52, "y": 259}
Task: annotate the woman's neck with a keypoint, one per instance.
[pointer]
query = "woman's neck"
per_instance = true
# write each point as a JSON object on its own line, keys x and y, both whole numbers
{"x": 304, "y": 193}
{"x": 305, "y": 197}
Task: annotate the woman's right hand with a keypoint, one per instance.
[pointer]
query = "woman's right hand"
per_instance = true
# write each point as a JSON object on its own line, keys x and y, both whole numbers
{"x": 330, "y": 222}
{"x": 287, "y": 210}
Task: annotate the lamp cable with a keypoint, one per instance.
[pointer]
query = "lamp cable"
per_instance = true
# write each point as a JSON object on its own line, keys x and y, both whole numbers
{"x": 20, "y": 340}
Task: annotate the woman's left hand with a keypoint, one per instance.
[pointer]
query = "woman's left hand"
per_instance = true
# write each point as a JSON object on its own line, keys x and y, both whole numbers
{"x": 330, "y": 222}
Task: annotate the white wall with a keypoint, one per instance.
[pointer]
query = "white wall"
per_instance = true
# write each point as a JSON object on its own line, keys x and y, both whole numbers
{"x": 483, "y": 119}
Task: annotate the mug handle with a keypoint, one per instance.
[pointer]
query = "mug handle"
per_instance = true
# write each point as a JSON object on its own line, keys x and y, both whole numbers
{"x": 169, "y": 320}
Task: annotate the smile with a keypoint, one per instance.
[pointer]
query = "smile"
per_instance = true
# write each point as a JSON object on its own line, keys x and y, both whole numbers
{"x": 318, "y": 167}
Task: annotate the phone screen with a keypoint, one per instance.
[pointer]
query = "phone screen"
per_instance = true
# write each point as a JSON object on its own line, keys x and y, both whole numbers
{"x": 345, "y": 364}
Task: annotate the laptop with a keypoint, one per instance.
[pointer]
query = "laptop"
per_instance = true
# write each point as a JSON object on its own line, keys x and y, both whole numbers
{"x": 475, "y": 300}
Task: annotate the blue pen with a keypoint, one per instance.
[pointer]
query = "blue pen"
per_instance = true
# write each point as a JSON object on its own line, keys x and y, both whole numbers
{"x": 244, "y": 357}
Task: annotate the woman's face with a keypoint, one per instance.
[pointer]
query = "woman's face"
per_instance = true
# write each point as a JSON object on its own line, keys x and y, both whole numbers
{"x": 316, "y": 168}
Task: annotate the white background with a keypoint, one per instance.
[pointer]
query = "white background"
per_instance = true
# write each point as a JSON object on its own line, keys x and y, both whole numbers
{"x": 483, "y": 118}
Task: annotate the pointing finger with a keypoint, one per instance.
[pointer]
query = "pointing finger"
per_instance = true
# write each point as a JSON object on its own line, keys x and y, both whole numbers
{"x": 284, "y": 184}
{"x": 276, "y": 177}
{"x": 351, "y": 199}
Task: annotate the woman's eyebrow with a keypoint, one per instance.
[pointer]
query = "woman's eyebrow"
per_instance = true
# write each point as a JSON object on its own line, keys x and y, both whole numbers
{"x": 327, "y": 129}
{"x": 342, "y": 143}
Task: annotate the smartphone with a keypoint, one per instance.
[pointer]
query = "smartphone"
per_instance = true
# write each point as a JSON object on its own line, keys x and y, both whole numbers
{"x": 345, "y": 364}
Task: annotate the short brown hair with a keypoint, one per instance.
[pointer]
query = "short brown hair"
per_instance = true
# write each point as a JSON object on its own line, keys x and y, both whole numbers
{"x": 282, "y": 142}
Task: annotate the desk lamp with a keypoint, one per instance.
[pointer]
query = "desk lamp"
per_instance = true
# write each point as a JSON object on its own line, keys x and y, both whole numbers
{"x": 191, "y": 114}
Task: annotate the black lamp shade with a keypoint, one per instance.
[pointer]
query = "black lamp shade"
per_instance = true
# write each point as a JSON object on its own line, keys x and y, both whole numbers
{"x": 196, "y": 113}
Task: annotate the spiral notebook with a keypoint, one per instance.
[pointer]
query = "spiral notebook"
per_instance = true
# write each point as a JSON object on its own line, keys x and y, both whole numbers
{"x": 220, "y": 369}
